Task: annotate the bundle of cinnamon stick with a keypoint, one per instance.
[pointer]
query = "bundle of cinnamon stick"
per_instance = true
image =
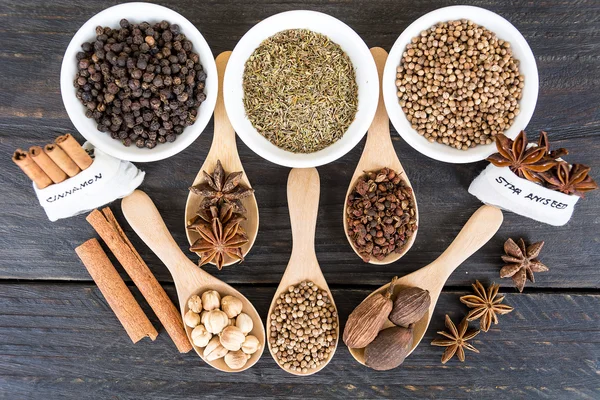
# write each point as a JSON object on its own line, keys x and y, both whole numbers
{"x": 53, "y": 163}
{"x": 117, "y": 294}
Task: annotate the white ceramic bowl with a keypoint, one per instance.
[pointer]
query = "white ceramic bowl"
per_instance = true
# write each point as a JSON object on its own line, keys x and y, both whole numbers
{"x": 136, "y": 12}
{"x": 504, "y": 30}
{"x": 338, "y": 32}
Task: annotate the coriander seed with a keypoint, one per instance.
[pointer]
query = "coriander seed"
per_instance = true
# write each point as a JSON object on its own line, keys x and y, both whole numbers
{"x": 304, "y": 326}
{"x": 459, "y": 84}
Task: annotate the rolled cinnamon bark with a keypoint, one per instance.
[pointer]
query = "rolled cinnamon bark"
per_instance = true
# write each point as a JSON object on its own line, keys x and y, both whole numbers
{"x": 74, "y": 150}
{"x": 62, "y": 159}
{"x": 31, "y": 169}
{"x": 46, "y": 164}
{"x": 116, "y": 293}
{"x": 110, "y": 231}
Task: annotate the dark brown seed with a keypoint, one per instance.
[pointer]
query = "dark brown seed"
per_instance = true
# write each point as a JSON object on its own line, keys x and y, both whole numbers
{"x": 367, "y": 319}
{"x": 376, "y": 204}
{"x": 410, "y": 306}
{"x": 389, "y": 349}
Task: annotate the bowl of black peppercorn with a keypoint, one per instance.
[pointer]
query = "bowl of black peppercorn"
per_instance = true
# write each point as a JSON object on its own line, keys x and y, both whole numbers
{"x": 139, "y": 82}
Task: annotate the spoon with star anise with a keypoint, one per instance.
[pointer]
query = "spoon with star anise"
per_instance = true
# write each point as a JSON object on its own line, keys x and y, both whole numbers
{"x": 222, "y": 180}
{"x": 378, "y": 154}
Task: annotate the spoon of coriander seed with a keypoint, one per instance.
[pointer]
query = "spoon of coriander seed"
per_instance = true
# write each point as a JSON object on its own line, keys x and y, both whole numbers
{"x": 303, "y": 297}
{"x": 375, "y": 238}
{"x": 222, "y": 180}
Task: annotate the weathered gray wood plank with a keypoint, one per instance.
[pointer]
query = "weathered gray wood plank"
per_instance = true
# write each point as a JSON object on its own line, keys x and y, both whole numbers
{"x": 562, "y": 35}
{"x": 62, "y": 341}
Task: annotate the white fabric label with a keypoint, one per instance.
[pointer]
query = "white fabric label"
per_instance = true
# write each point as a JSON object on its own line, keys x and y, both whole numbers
{"x": 106, "y": 180}
{"x": 502, "y": 188}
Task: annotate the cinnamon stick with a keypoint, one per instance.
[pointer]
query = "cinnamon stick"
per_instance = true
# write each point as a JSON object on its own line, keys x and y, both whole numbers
{"x": 46, "y": 164}
{"x": 31, "y": 169}
{"x": 116, "y": 293}
{"x": 74, "y": 150}
{"x": 62, "y": 159}
{"x": 110, "y": 231}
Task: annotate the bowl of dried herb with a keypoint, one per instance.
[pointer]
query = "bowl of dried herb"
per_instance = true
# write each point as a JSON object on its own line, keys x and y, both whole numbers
{"x": 457, "y": 77}
{"x": 301, "y": 88}
{"x": 139, "y": 81}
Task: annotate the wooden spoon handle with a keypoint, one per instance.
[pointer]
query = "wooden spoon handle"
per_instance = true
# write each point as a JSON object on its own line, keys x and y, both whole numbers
{"x": 303, "y": 201}
{"x": 223, "y": 143}
{"x": 144, "y": 218}
{"x": 379, "y": 131}
{"x": 478, "y": 230}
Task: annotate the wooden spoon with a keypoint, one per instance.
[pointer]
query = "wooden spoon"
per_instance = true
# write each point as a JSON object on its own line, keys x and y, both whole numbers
{"x": 478, "y": 230}
{"x": 379, "y": 153}
{"x": 223, "y": 148}
{"x": 303, "y": 202}
{"x": 144, "y": 218}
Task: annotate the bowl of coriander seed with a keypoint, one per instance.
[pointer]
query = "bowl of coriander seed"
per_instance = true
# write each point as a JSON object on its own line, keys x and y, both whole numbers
{"x": 457, "y": 77}
{"x": 301, "y": 88}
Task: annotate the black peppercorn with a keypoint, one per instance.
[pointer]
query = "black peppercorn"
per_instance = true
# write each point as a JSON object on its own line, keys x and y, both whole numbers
{"x": 142, "y": 63}
{"x": 129, "y": 78}
{"x": 148, "y": 76}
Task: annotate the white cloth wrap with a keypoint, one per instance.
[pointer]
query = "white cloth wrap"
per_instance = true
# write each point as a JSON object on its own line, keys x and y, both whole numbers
{"x": 106, "y": 180}
{"x": 500, "y": 187}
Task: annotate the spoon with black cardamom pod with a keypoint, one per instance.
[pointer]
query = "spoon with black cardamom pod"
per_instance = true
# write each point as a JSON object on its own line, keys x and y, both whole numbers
{"x": 478, "y": 230}
{"x": 303, "y": 201}
{"x": 141, "y": 213}
{"x": 224, "y": 149}
{"x": 379, "y": 153}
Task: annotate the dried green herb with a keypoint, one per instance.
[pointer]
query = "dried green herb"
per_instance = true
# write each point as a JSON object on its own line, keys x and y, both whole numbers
{"x": 300, "y": 90}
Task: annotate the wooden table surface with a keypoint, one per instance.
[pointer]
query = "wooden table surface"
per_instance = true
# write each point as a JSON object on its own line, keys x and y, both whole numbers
{"x": 59, "y": 339}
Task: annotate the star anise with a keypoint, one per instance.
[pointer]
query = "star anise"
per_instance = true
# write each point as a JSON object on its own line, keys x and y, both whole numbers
{"x": 485, "y": 305}
{"x": 456, "y": 340}
{"x": 220, "y": 188}
{"x": 523, "y": 161}
{"x": 554, "y": 154}
{"x": 522, "y": 261}
{"x": 570, "y": 179}
{"x": 220, "y": 235}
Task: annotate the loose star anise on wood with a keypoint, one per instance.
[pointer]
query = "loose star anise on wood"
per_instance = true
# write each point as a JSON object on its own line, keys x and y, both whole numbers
{"x": 572, "y": 179}
{"x": 485, "y": 305}
{"x": 456, "y": 340}
{"x": 221, "y": 188}
{"x": 522, "y": 262}
{"x": 220, "y": 235}
{"x": 525, "y": 162}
